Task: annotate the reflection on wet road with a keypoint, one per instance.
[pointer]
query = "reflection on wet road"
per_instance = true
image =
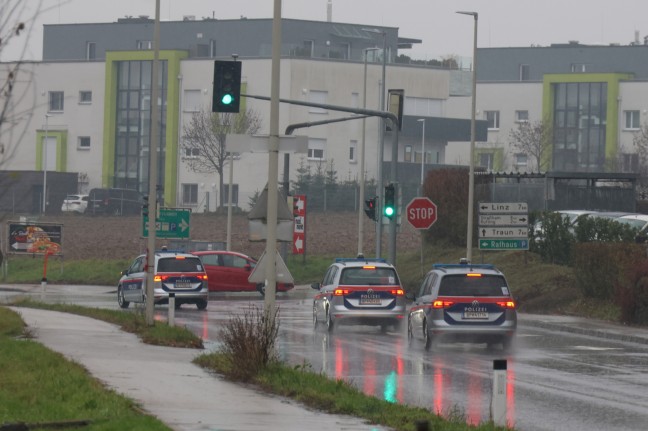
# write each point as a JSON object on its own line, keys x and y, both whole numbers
{"x": 554, "y": 380}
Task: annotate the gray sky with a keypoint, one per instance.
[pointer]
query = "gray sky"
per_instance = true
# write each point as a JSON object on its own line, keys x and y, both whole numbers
{"x": 502, "y": 23}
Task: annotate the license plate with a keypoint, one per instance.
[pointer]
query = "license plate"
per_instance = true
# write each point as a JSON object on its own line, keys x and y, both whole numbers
{"x": 181, "y": 284}
{"x": 475, "y": 315}
{"x": 370, "y": 300}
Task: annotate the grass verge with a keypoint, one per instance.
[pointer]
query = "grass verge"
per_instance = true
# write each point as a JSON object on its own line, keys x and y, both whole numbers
{"x": 159, "y": 334}
{"x": 41, "y": 386}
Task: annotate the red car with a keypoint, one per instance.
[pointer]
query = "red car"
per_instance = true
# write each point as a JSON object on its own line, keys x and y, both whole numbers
{"x": 228, "y": 271}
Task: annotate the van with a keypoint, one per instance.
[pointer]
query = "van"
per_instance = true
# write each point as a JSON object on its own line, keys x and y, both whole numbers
{"x": 114, "y": 202}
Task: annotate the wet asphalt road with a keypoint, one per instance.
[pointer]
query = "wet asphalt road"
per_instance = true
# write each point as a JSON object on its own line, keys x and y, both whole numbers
{"x": 555, "y": 379}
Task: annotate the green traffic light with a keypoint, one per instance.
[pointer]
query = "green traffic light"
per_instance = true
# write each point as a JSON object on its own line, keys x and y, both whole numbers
{"x": 227, "y": 99}
{"x": 389, "y": 211}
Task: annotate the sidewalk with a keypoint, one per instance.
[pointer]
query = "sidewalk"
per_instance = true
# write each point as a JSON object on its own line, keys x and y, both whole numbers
{"x": 165, "y": 382}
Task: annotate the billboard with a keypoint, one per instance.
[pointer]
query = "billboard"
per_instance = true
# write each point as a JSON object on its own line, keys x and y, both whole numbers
{"x": 35, "y": 237}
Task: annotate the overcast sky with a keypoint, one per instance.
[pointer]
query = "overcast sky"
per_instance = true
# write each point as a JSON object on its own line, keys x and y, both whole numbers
{"x": 502, "y": 23}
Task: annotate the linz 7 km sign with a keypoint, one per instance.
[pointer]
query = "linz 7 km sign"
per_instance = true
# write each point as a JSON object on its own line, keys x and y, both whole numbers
{"x": 421, "y": 213}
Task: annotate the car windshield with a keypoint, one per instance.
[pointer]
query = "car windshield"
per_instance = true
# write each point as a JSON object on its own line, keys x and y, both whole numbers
{"x": 368, "y": 275}
{"x": 468, "y": 285}
{"x": 179, "y": 264}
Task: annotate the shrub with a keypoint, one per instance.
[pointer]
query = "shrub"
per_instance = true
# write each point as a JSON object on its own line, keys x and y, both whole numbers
{"x": 554, "y": 241}
{"x": 590, "y": 229}
{"x": 599, "y": 266}
{"x": 249, "y": 342}
{"x": 632, "y": 294}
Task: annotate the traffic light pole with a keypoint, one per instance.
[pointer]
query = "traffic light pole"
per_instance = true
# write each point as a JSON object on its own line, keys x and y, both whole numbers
{"x": 394, "y": 162}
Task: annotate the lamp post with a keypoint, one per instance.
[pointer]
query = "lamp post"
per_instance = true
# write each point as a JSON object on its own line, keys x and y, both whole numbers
{"x": 45, "y": 139}
{"x": 362, "y": 158}
{"x": 471, "y": 180}
{"x": 381, "y": 147}
{"x": 422, "y": 120}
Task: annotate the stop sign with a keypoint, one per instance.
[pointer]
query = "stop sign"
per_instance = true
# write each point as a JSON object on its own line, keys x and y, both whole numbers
{"x": 421, "y": 213}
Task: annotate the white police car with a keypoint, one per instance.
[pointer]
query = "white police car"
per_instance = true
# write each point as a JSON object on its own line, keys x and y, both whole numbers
{"x": 175, "y": 272}
{"x": 359, "y": 291}
{"x": 463, "y": 302}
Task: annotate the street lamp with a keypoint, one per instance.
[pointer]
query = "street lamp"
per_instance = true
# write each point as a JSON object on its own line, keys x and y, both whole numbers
{"x": 381, "y": 148}
{"x": 362, "y": 158}
{"x": 422, "y": 121}
{"x": 44, "y": 149}
{"x": 471, "y": 180}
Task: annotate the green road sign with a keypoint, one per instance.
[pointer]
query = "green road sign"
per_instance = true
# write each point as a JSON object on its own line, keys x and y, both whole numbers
{"x": 172, "y": 223}
{"x": 503, "y": 244}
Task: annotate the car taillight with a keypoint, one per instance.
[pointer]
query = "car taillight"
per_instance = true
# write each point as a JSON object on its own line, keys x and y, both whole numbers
{"x": 441, "y": 304}
{"x": 506, "y": 304}
{"x": 204, "y": 276}
{"x": 160, "y": 277}
{"x": 341, "y": 292}
{"x": 398, "y": 292}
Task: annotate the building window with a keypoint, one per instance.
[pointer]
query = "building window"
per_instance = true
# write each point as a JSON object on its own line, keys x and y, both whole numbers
{"x": 190, "y": 194}
{"x": 144, "y": 44}
{"x": 307, "y": 50}
{"x": 521, "y": 116}
{"x": 85, "y": 97}
{"x": 191, "y": 152}
{"x": 192, "y": 101}
{"x": 630, "y": 162}
{"x": 632, "y": 120}
{"x": 83, "y": 143}
{"x": 212, "y": 48}
{"x": 235, "y": 193}
{"x": 315, "y": 96}
{"x": 407, "y": 157}
{"x": 91, "y": 50}
{"x": 486, "y": 160}
{"x": 578, "y": 67}
{"x": 352, "y": 151}
{"x": 525, "y": 72}
{"x": 493, "y": 119}
{"x": 521, "y": 160}
{"x": 316, "y": 149}
{"x": 56, "y": 101}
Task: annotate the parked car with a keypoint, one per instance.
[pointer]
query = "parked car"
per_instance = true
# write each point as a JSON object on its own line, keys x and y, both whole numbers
{"x": 114, "y": 202}
{"x": 639, "y": 222}
{"x": 228, "y": 271}
{"x": 359, "y": 291}
{"x": 75, "y": 203}
{"x": 463, "y": 302}
{"x": 175, "y": 272}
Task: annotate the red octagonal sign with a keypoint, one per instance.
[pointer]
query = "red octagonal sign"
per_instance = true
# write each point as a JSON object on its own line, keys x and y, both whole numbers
{"x": 421, "y": 213}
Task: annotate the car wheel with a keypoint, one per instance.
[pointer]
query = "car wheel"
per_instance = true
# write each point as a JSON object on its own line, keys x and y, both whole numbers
{"x": 202, "y": 304}
{"x": 260, "y": 287}
{"x": 429, "y": 339}
{"x": 178, "y": 304}
{"x": 120, "y": 298}
{"x": 329, "y": 321}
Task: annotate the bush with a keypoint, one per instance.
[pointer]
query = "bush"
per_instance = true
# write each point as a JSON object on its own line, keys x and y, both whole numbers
{"x": 599, "y": 266}
{"x": 249, "y": 342}
{"x": 590, "y": 229}
{"x": 554, "y": 241}
{"x": 632, "y": 294}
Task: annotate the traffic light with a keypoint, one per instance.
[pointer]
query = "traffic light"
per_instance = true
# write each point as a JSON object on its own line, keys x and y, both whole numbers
{"x": 227, "y": 86}
{"x": 145, "y": 206}
{"x": 370, "y": 208}
{"x": 389, "y": 208}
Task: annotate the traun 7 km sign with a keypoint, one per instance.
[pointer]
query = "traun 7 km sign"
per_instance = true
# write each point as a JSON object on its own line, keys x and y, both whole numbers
{"x": 421, "y": 213}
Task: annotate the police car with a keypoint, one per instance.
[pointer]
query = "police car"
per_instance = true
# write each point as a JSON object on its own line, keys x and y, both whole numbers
{"x": 175, "y": 272}
{"x": 463, "y": 302}
{"x": 359, "y": 291}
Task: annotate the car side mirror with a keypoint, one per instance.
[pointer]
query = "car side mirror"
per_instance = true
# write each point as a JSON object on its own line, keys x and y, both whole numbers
{"x": 316, "y": 286}
{"x": 124, "y": 272}
{"x": 247, "y": 267}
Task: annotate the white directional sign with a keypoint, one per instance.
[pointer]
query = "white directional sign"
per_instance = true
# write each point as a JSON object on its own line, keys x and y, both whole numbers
{"x": 503, "y": 232}
{"x": 503, "y": 207}
{"x": 503, "y": 220}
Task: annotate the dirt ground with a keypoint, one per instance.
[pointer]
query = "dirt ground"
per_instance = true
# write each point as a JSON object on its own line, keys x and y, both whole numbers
{"x": 109, "y": 237}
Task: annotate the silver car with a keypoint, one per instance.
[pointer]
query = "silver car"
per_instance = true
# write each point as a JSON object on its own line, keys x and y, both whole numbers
{"x": 359, "y": 291}
{"x": 463, "y": 302}
{"x": 175, "y": 272}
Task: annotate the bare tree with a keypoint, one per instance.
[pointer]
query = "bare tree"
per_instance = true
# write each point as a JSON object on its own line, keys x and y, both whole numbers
{"x": 533, "y": 139}
{"x": 205, "y": 136}
{"x": 16, "y": 23}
